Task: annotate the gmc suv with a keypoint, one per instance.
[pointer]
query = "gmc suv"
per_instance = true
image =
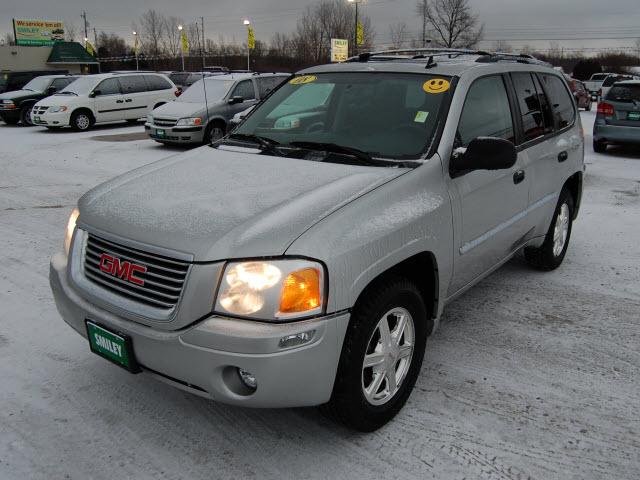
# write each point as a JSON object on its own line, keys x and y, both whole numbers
{"x": 305, "y": 258}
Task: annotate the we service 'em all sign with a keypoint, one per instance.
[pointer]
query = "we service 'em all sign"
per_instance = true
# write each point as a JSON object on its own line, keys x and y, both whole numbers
{"x": 37, "y": 32}
{"x": 339, "y": 50}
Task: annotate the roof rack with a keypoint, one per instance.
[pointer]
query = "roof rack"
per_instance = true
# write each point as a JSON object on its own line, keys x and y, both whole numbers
{"x": 430, "y": 52}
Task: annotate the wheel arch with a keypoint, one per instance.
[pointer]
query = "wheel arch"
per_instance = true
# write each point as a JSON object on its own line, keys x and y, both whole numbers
{"x": 574, "y": 186}
{"x": 159, "y": 104}
{"x": 421, "y": 269}
{"x": 83, "y": 109}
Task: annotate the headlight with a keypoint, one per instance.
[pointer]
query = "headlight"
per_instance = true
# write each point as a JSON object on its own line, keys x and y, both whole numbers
{"x": 7, "y": 102}
{"x": 189, "y": 122}
{"x": 272, "y": 290}
{"x": 287, "y": 123}
{"x": 61, "y": 108}
{"x": 71, "y": 226}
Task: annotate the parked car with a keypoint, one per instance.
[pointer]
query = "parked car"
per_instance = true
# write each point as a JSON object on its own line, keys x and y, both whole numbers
{"x": 595, "y": 83}
{"x": 195, "y": 76}
{"x": 238, "y": 118}
{"x": 105, "y": 97}
{"x": 16, "y": 106}
{"x": 187, "y": 120}
{"x": 305, "y": 258}
{"x": 180, "y": 79}
{"x": 15, "y": 80}
{"x": 618, "y": 118}
{"x": 610, "y": 80}
{"x": 580, "y": 93}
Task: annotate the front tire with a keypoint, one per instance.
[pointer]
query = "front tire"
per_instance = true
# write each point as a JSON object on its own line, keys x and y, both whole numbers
{"x": 599, "y": 147}
{"x": 381, "y": 355}
{"x": 81, "y": 121}
{"x": 214, "y": 132}
{"x": 551, "y": 254}
{"x": 25, "y": 116}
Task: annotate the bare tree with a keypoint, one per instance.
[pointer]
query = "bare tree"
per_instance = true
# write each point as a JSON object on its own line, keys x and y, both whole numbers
{"x": 171, "y": 35}
{"x": 111, "y": 45}
{"x": 399, "y": 35}
{"x": 280, "y": 45}
{"x": 152, "y": 26}
{"x": 451, "y": 22}
{"x": 71, "y": 31}
{"x": 502, "y": 46}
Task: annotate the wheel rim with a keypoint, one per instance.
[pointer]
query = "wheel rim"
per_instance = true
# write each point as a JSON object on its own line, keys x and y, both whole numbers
{"x": 561, "y": 230}
{"x": 27, "y": 117}
{"x": 216, "y": 134}
{"x": 388, "y": 356}
{"x": 82, "y": 122}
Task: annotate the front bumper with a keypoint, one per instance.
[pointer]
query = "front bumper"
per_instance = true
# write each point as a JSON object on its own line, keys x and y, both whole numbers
{"x": 175, "y": 134}
{"x": 203, "y": 358}
{"x": 9, "y": 113}
{"x": 57, "y": 119}
{"x": 615, "y": 133}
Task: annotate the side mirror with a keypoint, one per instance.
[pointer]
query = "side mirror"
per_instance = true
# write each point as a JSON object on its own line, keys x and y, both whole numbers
{"x": 484, "y": 153}
{"x": 52, "y": 90}
{"x": 94, "y": 94}
{"x": 234, "y": 100}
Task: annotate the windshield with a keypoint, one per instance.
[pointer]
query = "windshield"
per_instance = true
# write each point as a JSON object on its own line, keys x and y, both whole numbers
{"x": 624, "y": 93}
{"x": 613, "y": 79}
{"x": 38, "y": 84}
{"x": 81, "y": 86}
{"x": 216, "y": 90}
{"x": 384, "y": 115}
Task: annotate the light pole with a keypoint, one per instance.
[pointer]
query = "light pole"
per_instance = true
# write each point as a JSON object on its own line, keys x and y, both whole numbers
{"x": 247, "y": 23}
{"x": 135, "y": 47}
{"x": 181, "y": 46}
{"x": 355, "y": 30}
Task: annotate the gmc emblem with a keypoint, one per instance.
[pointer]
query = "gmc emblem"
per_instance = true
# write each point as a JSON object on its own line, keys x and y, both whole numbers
{"x": 122, "y": 269}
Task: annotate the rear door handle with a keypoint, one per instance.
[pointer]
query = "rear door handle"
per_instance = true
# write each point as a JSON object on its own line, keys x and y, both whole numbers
{"x": 119, "y": 101}
{"x": 562, "y": 156}
{"x": 518, "y": 177}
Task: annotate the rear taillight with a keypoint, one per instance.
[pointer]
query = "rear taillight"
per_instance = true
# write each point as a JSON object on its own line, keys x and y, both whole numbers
{"x": 606, "y": 109}
{"x": 600, "y": 92}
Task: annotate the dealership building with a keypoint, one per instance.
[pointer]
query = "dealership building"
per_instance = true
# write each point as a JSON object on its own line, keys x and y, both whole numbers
{"x": 64, "y": 56}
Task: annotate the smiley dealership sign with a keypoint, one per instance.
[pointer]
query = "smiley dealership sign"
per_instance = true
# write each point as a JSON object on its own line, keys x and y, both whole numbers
{"x": 37, "y": 32}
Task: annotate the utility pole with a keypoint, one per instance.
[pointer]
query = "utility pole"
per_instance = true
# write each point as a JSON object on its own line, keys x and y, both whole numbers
{"x": 95, "y": 45}
{"x": 202, "y": 49}
{"x": 84, "y": 18}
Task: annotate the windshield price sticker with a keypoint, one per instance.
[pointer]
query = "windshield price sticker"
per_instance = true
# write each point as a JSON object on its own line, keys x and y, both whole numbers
{"x": 303, "y": 79}
{"x": 436, "y": 85}
{"x": 421, "y": 117}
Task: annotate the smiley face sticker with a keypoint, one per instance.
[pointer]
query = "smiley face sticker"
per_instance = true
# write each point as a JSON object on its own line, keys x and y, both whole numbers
{"x": 303, "y": 79}
{"x": 436, "y": 85}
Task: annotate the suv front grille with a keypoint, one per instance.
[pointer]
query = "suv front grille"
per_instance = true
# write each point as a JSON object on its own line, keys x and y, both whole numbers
{"x": 39, "y": 110}
{"x": 164, "y": 122}
{"x": 158, "y": 285}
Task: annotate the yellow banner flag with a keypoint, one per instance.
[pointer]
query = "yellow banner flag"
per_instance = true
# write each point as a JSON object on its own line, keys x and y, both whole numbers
{"x": 89, "y": 48}
{"x": 184, "y": 42}
{"x": 360, "y": 34}
{"x": 251, "y": 39}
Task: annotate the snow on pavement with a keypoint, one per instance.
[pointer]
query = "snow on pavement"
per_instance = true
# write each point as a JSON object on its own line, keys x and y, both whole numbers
{"x": 531, "y": 375}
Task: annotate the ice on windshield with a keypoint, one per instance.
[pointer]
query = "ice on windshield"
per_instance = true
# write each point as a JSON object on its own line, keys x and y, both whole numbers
{"x": 81, "y": 86}
{"x": 215, "y": 91}
{"x": 38, "y": 84}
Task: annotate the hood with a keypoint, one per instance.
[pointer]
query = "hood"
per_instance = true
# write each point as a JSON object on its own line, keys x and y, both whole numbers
{"x": 56, "y": 100}
{"x": 16, "y": 94}
{"x": 178, "y": 109}
{"x": 216, "y": 204}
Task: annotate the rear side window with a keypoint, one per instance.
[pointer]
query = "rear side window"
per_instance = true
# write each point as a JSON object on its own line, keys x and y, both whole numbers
{"x": 486, "y": 112}
{"x": 156, "y": 82}
{"x": 625, "y": 93}
{"x": 110, "y": 86}
{"x": 560, "y": 99}
{"x": 133, "y": 84}
{"x": 266, "y": 84}
{"x": 531, "y": 101}
{"x": 244, "y": 89}
{"x": 60, "y": 83}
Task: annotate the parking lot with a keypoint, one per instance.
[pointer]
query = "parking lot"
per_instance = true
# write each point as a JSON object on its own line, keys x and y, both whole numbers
{"x": 531, "y": 375}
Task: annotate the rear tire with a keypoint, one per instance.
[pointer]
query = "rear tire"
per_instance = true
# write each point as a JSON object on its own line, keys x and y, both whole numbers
{"x": 365, "y": 397}
{"x": 599, "y": 147}
{"x": 81, "y": 121}
{"x": 25, "y": 116}
{"x": 551, "y": 254}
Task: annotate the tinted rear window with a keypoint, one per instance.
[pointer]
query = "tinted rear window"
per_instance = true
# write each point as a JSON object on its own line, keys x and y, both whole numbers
{"x": 561, "y": 100}
{"x": 156, "y": 82}
{"x": 599, "y": 76}
{"x": 133, "y": 84}
{"x": 532, "y": 104}
{"x": 611, "y": 80}
{"x": 624, "y": 93}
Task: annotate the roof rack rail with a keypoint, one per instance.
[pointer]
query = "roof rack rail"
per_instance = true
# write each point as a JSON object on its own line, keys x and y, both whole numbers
{"x": 430, "y": 52}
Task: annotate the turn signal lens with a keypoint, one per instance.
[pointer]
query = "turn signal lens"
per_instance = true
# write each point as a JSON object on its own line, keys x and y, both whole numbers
{"x": 71, "y": 226}
{"x": 301, "y": 291}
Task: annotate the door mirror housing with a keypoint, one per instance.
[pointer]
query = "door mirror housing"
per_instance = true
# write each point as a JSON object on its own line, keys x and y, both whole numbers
{"x": 483, "y": 153}
{"x": 95, "y": 93}
{"x": 51, "y": 90}
{"x": 234, "y": 100}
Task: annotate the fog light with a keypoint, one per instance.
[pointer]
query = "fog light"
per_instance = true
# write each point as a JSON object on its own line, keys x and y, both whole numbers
{"x": 297, "y": 339}
{"x": 248, "y": 379}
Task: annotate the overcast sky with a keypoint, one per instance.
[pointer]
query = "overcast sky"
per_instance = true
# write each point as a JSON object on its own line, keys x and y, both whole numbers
{"x": 587, "y": 23}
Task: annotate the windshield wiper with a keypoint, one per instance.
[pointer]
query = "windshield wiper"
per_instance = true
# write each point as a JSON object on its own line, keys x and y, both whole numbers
{"x": 361, "y": 155}
{"x": 265, "y": 143}
{"x": 66, "y": 92}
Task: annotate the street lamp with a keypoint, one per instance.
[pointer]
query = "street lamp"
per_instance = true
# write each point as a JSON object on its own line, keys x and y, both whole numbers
{"x": 135, "y": 47}
{"x": 355, "y": 31}
{"x": 247, "y": 23}
{"x": 181, "y": 46}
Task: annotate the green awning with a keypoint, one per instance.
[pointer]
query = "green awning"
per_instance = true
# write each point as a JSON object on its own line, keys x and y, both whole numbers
{"x": 70, "y": 53}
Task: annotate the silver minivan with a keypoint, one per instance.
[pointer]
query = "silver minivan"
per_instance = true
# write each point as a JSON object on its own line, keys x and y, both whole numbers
{"x": 618, "y": 118}
{"x": 203, "y": 112}
{"x": 305, "y": 258}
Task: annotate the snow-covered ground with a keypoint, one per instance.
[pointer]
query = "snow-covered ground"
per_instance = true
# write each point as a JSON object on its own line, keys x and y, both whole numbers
{"x": 531, "y": 375}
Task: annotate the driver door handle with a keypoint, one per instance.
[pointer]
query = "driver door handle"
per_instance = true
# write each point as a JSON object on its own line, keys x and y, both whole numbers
{"x": 518, "y": 177}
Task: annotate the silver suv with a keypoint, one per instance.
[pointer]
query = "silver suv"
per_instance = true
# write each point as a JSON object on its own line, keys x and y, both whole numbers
{"x": 203, "y": 112}
{"x": 305, "y": 258}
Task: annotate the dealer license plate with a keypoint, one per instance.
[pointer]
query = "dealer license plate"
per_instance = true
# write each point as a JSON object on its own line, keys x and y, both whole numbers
{"x": 115, "y": 347}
